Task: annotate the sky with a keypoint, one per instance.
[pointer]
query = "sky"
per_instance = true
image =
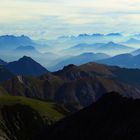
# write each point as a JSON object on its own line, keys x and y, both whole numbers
{"x": 46, "y": 19}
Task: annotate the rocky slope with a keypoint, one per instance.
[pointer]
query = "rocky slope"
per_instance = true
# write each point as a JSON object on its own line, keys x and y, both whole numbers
{"x": 77, "y": 87}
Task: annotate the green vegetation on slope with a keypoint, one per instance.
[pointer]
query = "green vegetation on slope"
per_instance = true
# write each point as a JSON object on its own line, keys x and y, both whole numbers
{"x": 21, "y": 118}
{"x": 47, "y": 110}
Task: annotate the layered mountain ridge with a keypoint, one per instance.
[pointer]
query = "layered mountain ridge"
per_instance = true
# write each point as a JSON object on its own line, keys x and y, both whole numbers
{"x": 77, "y": 86}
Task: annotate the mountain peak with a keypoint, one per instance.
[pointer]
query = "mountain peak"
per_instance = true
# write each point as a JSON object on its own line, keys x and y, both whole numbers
{"x": 26, "y": 58}
{"x": 26, "y": 66}
{"x": 71, "y": 66}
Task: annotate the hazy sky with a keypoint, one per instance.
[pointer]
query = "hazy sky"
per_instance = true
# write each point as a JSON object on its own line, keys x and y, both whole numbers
{"x": 52, "y": 18}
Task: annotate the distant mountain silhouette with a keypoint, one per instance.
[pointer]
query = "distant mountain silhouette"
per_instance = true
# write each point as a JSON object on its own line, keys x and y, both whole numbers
{"x": 12, "y": 42}
{"x": 109, "y": 48}
{"x": 114, "y": 35}
{"x": 26, "y": 50}
{"x": 123, "y": 60}
{"x": 80, "y": 59}
{"x": 94, "y": 35}
{"x": 115, "y": 46}
{"x": 26, "y": 66}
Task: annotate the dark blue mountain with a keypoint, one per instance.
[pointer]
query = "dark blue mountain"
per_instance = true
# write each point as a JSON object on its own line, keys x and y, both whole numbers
{"x": 80, "y": 59}
{"x": 114, "y": 35}
{"x": 26, "y": 66}
{"x": 97, "y": 35}
{"x": 5, "y": 74}
{"x": 123, "y": 60}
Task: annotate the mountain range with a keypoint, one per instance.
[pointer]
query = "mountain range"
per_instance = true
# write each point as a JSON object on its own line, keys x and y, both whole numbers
{"x": 11, "y": 41}
{"x": 14, "y": 47}
{"x": 92, "y": 36}
{"x": 34, "y": 101}
{"x": 123, "y": 60}
{"x": 109, "y": 48}
{"x": 84, "y": 98}
{"x": 126, "y": 60}
{"x": 76, "y": 86}
{"x": 80, "y": 59}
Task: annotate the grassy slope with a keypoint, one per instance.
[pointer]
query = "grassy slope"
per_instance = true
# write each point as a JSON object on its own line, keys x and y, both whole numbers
{"x": 47, "y": 110}
{"x": 22, "y": 118}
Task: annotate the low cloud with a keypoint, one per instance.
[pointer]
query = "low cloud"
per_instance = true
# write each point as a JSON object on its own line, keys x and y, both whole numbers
{"x": 60, "y": 17}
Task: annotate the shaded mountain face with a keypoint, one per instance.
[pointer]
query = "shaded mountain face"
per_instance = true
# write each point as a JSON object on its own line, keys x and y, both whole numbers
{"x": 123, "y": 60}
{"x": 26, "y": 66}
{"x": 21, "y": 118}
{"x": 77, "y": 86}
{"x": 2, "y": 62}
{"x": 5, "y": 74}
{"x": 80, "y": 59}
{"x": 111, "y": 118}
